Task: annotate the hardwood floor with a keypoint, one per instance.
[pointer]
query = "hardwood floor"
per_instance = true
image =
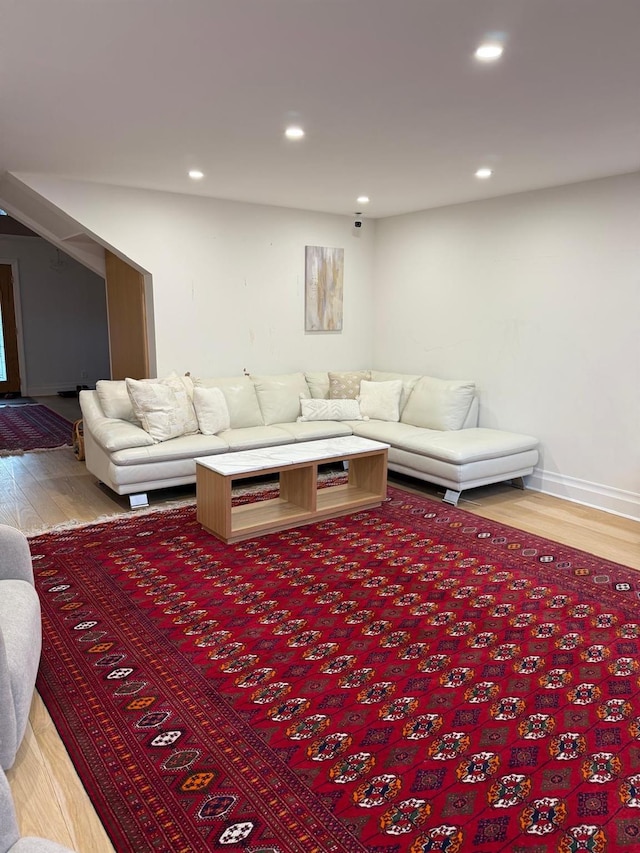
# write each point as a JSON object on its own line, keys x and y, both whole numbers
{"x": 42, "y": 490}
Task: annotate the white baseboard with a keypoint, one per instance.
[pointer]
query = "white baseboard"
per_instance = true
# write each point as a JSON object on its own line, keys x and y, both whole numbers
{"x": 617, "y": 501}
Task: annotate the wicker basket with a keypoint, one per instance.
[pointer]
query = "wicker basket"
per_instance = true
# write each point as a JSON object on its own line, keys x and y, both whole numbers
{"x": 78, "y": 440}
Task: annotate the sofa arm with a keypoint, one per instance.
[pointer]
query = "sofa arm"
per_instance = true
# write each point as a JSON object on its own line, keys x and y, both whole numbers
{"x": 10, "y": 840}
{"x": 9, "y": 833}
{"x": 110, "y": 433}
{"x": 113, "y": 435}
{"x": 15, "y": 557}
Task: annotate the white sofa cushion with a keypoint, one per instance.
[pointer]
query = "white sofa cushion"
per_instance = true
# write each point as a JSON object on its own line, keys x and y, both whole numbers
{"x": 464, "y": 446}
{"x": 391, "y": 432}
{"x": 242, "y": 401}
{"x": 380, "y": 400}
{"x": 318, "y": 382}
{"x": 345, "y": 385}
{"x": 251, "y": 437}
{"x": 438, "y": 403}
{"x": 183, "y": 447}
{"x": 279, "y": 396}
{"x": 211, "y": 410}
{"x": 115, "y": 401}
{"x": 330, "y": 410}
{"x": 314, "y": 430}
{"x": 164, "y": 411}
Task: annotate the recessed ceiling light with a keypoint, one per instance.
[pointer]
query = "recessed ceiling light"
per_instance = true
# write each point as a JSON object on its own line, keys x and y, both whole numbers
{"x": 484, "y": 173}
{"x": 196, "y": 174}
{"x": 489, "y": 52}
{"x": 294, "y": 132}
{"x": 363, "y": 199}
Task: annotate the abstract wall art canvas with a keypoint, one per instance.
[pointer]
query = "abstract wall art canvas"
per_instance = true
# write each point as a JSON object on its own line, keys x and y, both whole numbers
{"x": 324, "y": 272}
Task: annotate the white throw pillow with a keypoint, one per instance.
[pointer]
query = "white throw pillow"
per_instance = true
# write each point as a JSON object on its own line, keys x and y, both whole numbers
{"x": 408, "y": 382}
{"x": 158, "y": 408}
{"x": 212, "y": 410}
{"x": 330, "y": 410}
{"x": 381, "y": 400}
{"x": 439, "y": 403}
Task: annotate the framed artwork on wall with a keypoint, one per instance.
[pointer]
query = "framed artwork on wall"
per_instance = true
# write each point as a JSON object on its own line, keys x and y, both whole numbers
{"x": 324, "y": 272}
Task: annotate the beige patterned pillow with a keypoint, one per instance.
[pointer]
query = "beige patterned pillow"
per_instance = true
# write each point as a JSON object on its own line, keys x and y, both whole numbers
{"x": 346, "y": 386}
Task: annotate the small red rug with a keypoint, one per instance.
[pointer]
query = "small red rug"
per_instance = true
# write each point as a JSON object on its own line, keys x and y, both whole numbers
{"x": 32, "y": 427}
{"x": 412, "y": 678}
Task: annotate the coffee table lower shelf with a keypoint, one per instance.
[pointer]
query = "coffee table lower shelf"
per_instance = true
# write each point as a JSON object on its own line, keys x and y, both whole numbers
{"x": 300, "y": 500}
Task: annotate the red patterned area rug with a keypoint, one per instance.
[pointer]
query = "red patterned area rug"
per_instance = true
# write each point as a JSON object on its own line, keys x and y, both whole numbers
{"x": 412, "y": 678}
{"x": 32, "y": 427}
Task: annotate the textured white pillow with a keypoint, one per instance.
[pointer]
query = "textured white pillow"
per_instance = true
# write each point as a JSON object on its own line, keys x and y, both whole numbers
{"x": 158, "y": 408}
{"x": 408, "y": 382}
{"x": 381, "y": 400}
{"x": 116, "y": 402}
{"x": 183, "y": 388}
{"x": 439, "y": 403}
{"x": 330, "y": 410}
{"x": 212, "y": 410}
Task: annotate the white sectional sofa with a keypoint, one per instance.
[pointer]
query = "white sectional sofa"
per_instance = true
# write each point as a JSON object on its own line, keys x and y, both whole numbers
{"x": 145, "y": 435}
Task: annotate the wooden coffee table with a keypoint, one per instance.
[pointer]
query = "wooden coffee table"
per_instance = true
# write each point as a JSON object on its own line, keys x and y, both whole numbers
{"x": 300, "y": 500}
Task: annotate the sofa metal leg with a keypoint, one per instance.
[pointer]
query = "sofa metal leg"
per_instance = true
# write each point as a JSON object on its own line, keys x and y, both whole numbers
{"x": 139, "y": 500}
{"x": 518, "y": 482}
{"x": 451, "y": 497}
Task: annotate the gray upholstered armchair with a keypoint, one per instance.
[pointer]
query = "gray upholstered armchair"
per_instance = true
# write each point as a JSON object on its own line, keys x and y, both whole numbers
{"x": 10, "y": 841}
{"x": 20, "y": 640}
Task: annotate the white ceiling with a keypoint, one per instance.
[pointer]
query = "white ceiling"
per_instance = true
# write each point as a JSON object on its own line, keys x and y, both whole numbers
{"x": 136, "y": 92}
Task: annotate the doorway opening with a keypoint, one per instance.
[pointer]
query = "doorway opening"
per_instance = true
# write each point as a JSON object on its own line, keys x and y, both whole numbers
{"x": 9, "y": 361}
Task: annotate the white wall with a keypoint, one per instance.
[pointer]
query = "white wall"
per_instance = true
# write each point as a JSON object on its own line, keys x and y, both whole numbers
{"x": 536, "y": 296}
{"x": 62, "y": 315}
{"x": 228, "y": 278}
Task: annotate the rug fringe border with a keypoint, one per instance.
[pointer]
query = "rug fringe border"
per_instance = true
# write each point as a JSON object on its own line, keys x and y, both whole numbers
{"x": 43, "y": 530}
{"x": 170, "y": 506}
